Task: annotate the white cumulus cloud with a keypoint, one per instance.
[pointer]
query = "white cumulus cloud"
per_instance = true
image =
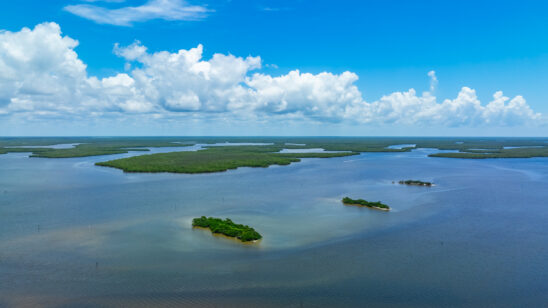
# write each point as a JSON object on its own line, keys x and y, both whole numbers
{"x": 39, "y": 70}
{"x": 42, "y": 76}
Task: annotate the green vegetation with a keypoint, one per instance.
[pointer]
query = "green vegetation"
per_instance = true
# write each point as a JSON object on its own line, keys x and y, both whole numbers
{"x": 361, "y": 202}
{"x": 227, "y": 227}
{"x": 415, "y": 182}
{"x": 463, "y": 147}
{"x": 80, "y": 151}
{"x": 88, "y": 146}
{"x": 499, "y": 153}
{"x": 213, "y": 159}
{"x": 102, "y": 148}
{"x": 19, "y": 150}
{"x": 380, "y": 144}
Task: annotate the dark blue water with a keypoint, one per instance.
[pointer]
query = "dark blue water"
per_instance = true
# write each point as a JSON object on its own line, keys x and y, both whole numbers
{"x": 76, "y": 235}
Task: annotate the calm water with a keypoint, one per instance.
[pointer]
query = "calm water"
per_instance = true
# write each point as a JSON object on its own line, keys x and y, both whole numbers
{"x": 76, "y": 235}
{"x": 401, "y": 146}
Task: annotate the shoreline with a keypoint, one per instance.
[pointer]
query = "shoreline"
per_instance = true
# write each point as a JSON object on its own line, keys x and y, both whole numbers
{"x": 418, "y": 185}
{"x": 232, "y": 238}
{"x": 369, "y": 207}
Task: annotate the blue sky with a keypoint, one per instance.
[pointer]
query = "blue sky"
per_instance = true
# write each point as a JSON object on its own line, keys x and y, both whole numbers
{"x": 390, "y": 46}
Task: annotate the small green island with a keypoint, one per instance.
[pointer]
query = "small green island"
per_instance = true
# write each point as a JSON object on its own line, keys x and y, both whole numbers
{"x": 415, "y": 183}
{"x": 227, "y": 227}
{"x": 360, "y": 202}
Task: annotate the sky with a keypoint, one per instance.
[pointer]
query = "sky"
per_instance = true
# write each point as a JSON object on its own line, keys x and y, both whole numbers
{"x": 273, "y": 67}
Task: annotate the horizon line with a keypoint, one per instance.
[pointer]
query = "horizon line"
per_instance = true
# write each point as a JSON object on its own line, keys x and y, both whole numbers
{"x": 260, "y": 136}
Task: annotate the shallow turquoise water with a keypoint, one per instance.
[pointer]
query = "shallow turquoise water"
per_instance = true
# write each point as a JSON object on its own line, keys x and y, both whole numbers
{"x": 73, "y": 234}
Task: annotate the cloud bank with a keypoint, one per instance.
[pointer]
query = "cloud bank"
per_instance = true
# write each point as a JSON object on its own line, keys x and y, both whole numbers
{"x": 41, "y": 76}
{"x": 126, "y": 16}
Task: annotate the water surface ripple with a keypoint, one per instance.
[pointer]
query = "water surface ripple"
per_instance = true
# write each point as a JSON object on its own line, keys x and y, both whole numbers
{"x": 73, "y": 234}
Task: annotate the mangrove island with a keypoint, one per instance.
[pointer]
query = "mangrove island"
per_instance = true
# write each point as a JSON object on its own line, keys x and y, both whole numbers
{"x": 415, "y": 182}
{"x": 360, "y": 202}
{"x": 227, "y": 227}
